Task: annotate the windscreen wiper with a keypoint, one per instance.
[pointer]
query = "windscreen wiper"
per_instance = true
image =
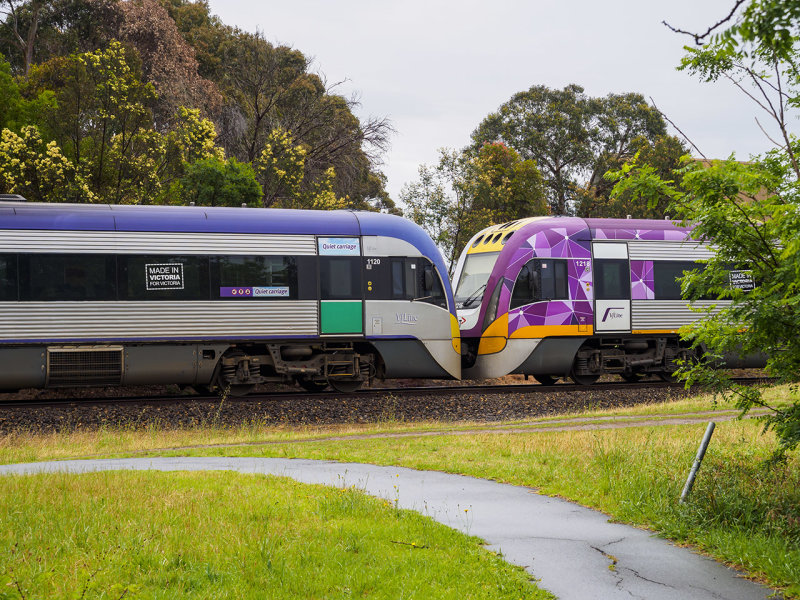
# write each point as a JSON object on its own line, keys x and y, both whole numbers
{"x": 473, "y": 296}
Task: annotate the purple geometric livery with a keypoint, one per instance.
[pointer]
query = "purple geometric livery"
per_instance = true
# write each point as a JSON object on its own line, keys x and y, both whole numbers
{"x": 571, "y": 239}
{"x": 642, "y": 286}
{"x": 558, "y": 242}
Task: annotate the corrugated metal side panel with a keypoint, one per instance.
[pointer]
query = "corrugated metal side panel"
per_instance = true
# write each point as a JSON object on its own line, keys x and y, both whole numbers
{"x": 658, "y": 250}
{"x": 666, "y": 314}
{"x": 128, "y": 320}
{"x": 137, "y": 242}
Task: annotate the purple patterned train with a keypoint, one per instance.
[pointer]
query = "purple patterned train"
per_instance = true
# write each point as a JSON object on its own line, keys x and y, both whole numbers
{"x": 554, "y": 297}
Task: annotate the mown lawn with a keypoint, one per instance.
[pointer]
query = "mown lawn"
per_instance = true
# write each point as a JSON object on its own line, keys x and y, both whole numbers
{"x": 121, "y": 535}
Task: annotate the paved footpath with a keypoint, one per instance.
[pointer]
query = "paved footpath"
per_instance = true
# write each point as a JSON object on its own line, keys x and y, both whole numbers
{"x": 574, "y": 552}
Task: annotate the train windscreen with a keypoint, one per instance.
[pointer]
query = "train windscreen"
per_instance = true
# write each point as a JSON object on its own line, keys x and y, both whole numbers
{"x": 474, "y": 275}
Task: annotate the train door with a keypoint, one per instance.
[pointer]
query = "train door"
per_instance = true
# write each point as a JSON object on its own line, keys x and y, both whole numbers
{"x": 341, "y": 306}
{"x": 612, "y": 287}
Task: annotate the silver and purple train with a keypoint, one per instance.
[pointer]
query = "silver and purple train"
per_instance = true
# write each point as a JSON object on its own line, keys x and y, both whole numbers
{"x": 225, "y": 297}
{"x": 557, "y": 297}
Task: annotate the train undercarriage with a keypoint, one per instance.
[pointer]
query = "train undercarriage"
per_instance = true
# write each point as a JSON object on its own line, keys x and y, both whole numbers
{"x": 630, "y": 357}
{"x": 342, "y": 366}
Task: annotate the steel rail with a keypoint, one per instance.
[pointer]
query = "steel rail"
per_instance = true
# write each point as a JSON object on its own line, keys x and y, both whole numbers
{"x": 445, "y": 390}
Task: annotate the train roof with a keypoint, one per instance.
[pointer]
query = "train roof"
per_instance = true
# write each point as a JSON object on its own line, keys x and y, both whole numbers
{"x": 197, "y": 219}
{"x": 194, "y": 219}
{"x": 495, "y": 237}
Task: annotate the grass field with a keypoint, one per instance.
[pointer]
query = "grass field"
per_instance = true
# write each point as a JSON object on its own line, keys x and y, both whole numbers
{"x": 224, "y": 535}
{"x": 741, "y": 512}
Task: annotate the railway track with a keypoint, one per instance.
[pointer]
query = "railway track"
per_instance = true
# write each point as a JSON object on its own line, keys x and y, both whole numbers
{"x": 369, "y": 393}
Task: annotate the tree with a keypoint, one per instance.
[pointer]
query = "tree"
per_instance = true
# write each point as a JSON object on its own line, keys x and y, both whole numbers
{"x": 466, "y": 192}
{"x": 15, "y": 110}
{"x": 572, "y": 138}
{"x": 438, "y": 202}
{"x": 749, "y": 211}
{"x": 39, "y": 30}
{"x": 39, "y": 170}
{"x": 22, "y": 22}
{"x": 506, "y": 186}
{"x": 272, "y": 90}
{"x": 168, "y": 61}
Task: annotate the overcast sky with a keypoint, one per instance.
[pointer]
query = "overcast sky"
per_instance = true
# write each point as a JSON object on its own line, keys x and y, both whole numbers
{"x": 437, "y": 68}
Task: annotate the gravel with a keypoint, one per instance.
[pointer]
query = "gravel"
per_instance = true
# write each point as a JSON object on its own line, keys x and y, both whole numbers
{"x": 449, "y": 406}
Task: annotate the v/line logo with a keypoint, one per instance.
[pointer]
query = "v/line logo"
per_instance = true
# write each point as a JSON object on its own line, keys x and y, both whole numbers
{"x": 612, "y": 314}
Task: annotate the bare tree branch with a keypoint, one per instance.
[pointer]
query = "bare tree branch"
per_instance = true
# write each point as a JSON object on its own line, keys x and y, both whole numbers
{"x": 699, "y": 38}
{"x": 764, "y": 131}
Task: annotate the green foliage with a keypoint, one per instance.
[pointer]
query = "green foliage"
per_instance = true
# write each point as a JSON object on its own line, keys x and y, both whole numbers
{"x": 505, "y": 185}
{"x": 281, "y": 167}
{"x": 467, "y": 192}
{"x": 102, "y": 121}
{"x": 215, "y": 182}
{"x": 16, "y": 110}
{"x": 659, "y": 159}
{"x": 39, "y": 170}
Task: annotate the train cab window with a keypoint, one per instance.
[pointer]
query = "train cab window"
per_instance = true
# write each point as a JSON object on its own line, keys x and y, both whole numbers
{"x": 254, "y": 277}
{"x": 67, "y": 277}
{"x": 666, "y": 275}
{"x": 474, "y": 276}
{"x": 612, "y": 279}
{"x": 540, "y": 279}
{"x": 160, "y": 277}
{"x": 340, "y": 277}
{"x": 8, "y": 277}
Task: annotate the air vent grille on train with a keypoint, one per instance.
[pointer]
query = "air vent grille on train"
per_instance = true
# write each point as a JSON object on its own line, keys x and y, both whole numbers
{"x": 84, "y": 365}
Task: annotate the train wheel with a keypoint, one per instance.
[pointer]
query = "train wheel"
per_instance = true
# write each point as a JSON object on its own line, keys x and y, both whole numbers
{"x": 545, "y": 379}
{"x": 345, "y": 386}
{"x": 633, "y": 377}
{"x": 310, "y": 385}
{"x": 241, "y": 389}
{"x": 583, "y": 379}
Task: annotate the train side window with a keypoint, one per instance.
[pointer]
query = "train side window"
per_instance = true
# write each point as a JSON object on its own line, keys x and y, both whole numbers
{"x": 540, "y": 279}
{"x": 430, "y": 285}
{"x": 612, "y": 279}
{"x": 411, "y": 275}
{"x": 398, "y": 280}
{"x": 340, "y": 277}
{"x": 524, "y": 290}
{"x": 8, "y": 277}
{"x": 665, "y": 277}
{"x": 259, "y": 277}
{"x": 163, "y": 277}
{"x": 67, "y": 277}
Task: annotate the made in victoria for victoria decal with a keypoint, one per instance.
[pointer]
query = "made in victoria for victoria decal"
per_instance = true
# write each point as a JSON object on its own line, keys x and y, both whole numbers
{"x": 167, "y": 276}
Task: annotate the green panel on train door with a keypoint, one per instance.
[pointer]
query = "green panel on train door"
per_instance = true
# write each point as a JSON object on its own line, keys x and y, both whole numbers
{"x": 341, "y": 316}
